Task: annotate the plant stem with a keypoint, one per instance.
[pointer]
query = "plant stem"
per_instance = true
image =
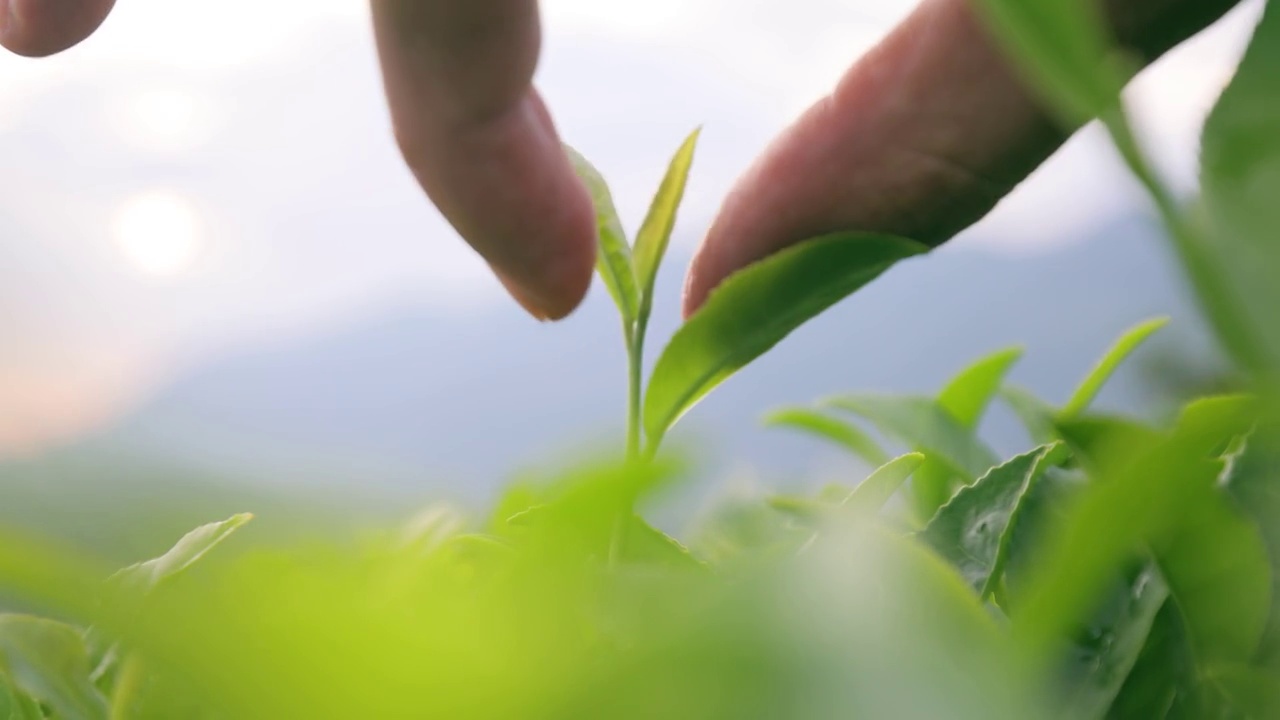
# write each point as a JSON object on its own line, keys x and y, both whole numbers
{"x": 635, "y": 364}
{"x": 127, "y": 687}
{"x": 1206, "y": 278}
{"x": 635, "y": 367}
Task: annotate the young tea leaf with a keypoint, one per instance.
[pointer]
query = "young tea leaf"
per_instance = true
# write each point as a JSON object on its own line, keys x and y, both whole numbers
{"x": 920, "y": 423}
{"x": 47, "y": 660}
{"x": 655, "y": 231}
{"x": 613, "y": 262}
{"x": 193, "y": 546}
{"x": 1111, "y": 360}
{"x": 835, "y": 430}
{"x": 873, "y": 493}
{"x": 965, "y": 398}
{"x": 756, "y": 309}
{"x": 973, "y": 529}
{"x": 1037, "y": 416}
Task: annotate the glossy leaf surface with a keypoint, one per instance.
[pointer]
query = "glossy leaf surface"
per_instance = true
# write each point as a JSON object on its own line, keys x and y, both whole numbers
{"x": 613, "y": 260}
{"x": 655, "y": 232}
{"x": 756, "y": 309}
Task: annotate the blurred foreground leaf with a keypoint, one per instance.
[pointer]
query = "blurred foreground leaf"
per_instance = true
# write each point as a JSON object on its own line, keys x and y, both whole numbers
{"x": 47, "y": 660}
{"x": 1240, "y": 178}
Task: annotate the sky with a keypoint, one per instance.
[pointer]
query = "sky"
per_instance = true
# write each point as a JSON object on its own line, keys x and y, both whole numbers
{"x": 199, "y": 177}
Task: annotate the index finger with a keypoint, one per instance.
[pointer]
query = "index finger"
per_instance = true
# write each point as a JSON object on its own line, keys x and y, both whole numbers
{"x": 458, "y": 77}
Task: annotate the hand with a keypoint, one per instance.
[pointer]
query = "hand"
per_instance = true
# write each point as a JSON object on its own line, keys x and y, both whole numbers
{"x": 922, "y": 137}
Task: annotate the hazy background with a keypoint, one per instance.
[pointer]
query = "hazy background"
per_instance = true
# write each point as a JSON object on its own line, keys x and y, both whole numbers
{"x": 217, "y": 278}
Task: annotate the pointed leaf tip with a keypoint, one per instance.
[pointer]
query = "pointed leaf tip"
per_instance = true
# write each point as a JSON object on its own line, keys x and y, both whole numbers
{"x": 654, "y": 235}
{"x": 613, "y": 261}
{"x": 1115, "y": 356}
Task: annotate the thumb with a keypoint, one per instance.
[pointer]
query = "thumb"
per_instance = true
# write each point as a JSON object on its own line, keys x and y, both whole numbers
{"x": 37, "y": 28}
{"x": 921, "y": 138}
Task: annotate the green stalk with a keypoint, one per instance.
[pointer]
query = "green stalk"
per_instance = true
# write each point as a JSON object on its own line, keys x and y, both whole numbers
{"x": 635, "y": 364}
{"x": 127, "y": 687}
{"x": 1215, "y": 295}
{"x": 635, "y": 367}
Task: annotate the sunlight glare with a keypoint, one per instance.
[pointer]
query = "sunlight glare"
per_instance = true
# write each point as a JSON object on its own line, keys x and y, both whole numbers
{"x": 158, "y": 232}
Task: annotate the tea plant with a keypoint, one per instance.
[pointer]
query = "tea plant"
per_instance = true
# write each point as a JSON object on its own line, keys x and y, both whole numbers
{"x": 1117, "y": 568}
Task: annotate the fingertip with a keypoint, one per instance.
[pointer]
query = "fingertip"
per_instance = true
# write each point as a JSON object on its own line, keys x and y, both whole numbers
{"x": 706, "y": 272}
{"x": 551, "y": 284}
{"x": 39, "y": 28}
{"x": 739, "y": 235}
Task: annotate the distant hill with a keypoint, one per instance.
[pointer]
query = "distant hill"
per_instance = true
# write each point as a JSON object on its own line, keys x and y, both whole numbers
{"x": 449, "y": 405}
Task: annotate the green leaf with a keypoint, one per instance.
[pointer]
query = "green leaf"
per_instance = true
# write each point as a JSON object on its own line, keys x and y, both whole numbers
{"x": 864, "y": 500}
{"x": 1111, "y": 360}
{"x": 193, "y": 546}
{"x": 1061, "y": 46}
{"x": 1254, "y": 690}
{"x": 1163, "y": 682}
{"x": 1253, "y": 482}
{"x": 48, "y": 661}
{"x": 1217, "y": 421}
{"x": 649, "y": 545}
{"x": 965, "y": 398}
{"x": 756, "y": 309}
{"x": 920, "y": 423}
{"x": 613, "y": 262}
{"x": 972, "y": 530}
{"x": 1158, "y": 494}
{"x": 1037, "y": 416}
{"x": 1240, "y": 179}
{"x": 1096, "y": 439}
{"x": 1109, "y": 645}
{"x": 824, "y": 426}
{"x": 1069, "y": 57}
{"x": 1041, "y": 511}
{"x": 14, "y": 705}
{"x": 1217, "y": 569}
{"x": 655, "y": 231}
{"x": 873, "y": 493}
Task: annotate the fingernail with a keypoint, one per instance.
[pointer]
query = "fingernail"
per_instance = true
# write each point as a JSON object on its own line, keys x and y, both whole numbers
{"x": 519, "y": 294}
{"x": 6, "y": 15}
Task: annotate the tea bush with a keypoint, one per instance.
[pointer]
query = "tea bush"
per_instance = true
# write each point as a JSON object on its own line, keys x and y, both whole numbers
{"x": 1117, "y": 568}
